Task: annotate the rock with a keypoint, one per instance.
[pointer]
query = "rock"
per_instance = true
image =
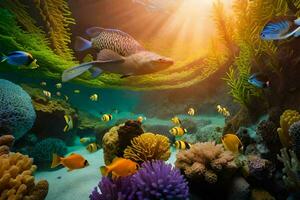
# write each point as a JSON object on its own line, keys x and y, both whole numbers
{"x": 239, "y": 189}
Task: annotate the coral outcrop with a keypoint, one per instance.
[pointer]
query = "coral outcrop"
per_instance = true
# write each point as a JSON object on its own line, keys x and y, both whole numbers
{"x": 259, "y": 169}
{"x": 206, "y": 161}
{"x": 286, "y": 120}
{"x": 6, "y": 142}
{"x": 17, "y": 181}
{"x": 16, "y": 109}
{"x": 147, "y": 147}
{"x": 294, "y": 132}
{"x": 110, "y": 144}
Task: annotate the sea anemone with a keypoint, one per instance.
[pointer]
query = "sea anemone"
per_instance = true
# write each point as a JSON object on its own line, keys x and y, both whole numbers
{"x": 147, "y": 147}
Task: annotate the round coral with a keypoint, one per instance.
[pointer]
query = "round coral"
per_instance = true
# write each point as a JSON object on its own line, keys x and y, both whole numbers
{"x": 148, "y": 146}
{"x": 158, "y": 181}
{"x": 16, "y": 109}
{"x": 294, "y": 132}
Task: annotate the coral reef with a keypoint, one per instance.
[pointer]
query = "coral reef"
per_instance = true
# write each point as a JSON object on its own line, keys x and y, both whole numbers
{"x": 110, "y": 144}
{"x": 291, "y": 169}
{"x": 210, "y": 132}
{"x": 294, "y": 132}
{"x": 42, "y": 152}
{"x": 16, "y": 180}
{"x": 207, "y": 161}
{"x": 147, "y": 147}
{"x": 259, "y": 169}
{"x": 157, "y": 180}
{"x": 286, "y": 120}
{"x": 16, "y": 110}
{"x": 6, "y": 142}
{"x": 160, "y": 129}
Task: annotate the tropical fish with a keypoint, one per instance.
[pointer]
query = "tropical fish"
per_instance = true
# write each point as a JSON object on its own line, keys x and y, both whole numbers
{"x": 106, "y": 117}
{"x": 223, "y": 111}
{"x": 20, "y": 58}
{"x": 259, "y": 80}
{"x": 191, "y": 111}
{"x": 76, "y": 91}
{"x": 141, "y": 119}
{"x": 182, "y": 144}
{"x": 58, "y": 85}
{"x": 93, "y": 147}
{"x": 85, "y": 140}
{"x": 232, "y": 143}
{"x": 58, "y": 94}
{"x": 47, "y": 93}
{"x": 120, "y": 167}
{"x": 73, "y": 161}
{"x": 281, "y": 28}
{"x": 94, "y": 97}
{"x": 119, "y": 53}
{"x": 43, "y": 83}
{"x": 176, "y": 121}
{"x": 178, "y": 131}
{"x": 69, "y": 123}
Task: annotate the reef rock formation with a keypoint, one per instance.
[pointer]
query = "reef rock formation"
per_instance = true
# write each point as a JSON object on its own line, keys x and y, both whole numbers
{"x": 16, "y": 110}
{"x": 147, "y": 147}
{"x": 206, "y": 161}
{"x": 110, "y": 144}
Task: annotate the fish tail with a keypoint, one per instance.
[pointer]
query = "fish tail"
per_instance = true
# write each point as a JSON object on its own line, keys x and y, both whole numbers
{"x": 104, "y": 170}
{"x": 56, "y": 160}
{"x": 82, "y": 44}
{"x": 76, "y": 71}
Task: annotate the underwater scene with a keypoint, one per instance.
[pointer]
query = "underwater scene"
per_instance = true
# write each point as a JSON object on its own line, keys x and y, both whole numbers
{"x": 149, "y": 99}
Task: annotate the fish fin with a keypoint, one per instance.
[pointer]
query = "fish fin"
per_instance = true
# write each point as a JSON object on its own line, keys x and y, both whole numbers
{"x": 297, "y": 21}
{"x": 104, "y": 170}
{"x": 94, "y": 31}
{"x": 82, "y": 44}
{"x": 95, "y": 72}
{"x": 125, "y": 76}
{"x": 56, "y": 160}
{"x": 73, "y": 72}
{"x": 115, "y": 159}
{"x": 107, "y": 54}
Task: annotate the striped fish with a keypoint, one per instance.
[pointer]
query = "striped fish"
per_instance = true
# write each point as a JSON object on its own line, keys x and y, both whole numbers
{"x": 69, "y": 123}
{"x": 93, "y": 147}
{"x": 178, "y": 131}
{"x": 106, "y": 117}
{"x": 179, "y": 144}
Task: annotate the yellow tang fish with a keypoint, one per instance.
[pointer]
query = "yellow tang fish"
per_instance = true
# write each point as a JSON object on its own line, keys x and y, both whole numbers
{"x": 120, "y": 167}
{"x": 176, "y": 121}
{"x": 106, "y": 117}
{"x": 191, "y": 111}
{"x": 69, "y": 123}
{"x": 73, "y": 161}
{"x": 58, "y": 85}
{"x": 178, "y": 131}
{"x": 47, "y": 93}
{"x": 94, "y": 97}
{"x": 85, "y": 140}
{"x": 232, "y": 143}
{"x": 182, "y": 144}
{"x": 76, "y": 91}
{"x": 93, "y": 147}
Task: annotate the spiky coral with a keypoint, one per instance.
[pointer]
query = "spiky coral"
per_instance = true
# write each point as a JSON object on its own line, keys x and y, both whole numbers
{"x": 291, "y": 169}
{"x": 205, "y": 160}
{"x": 148, "y": 146}
{"x": 286, "y": 120}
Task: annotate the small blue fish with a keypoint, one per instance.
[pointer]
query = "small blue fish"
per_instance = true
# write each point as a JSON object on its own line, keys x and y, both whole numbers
{"x": 281, "y": 28}
{"x": 20, "y": 58}
{"x": 259, "y": 80}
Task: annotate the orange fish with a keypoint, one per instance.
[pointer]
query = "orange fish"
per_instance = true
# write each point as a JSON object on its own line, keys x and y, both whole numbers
{"x": 232, "y": 143}
{"x": 119, "y": 167}
{"x": 73, "y": 161}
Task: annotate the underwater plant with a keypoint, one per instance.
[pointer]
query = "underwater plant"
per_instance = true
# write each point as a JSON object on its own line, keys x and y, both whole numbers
{"x": 206, "y": 161}
{"x": 16, "y": 109}
{"x": 147, "y": 147}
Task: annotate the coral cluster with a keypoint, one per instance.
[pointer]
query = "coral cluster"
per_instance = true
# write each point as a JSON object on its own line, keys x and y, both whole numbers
{"x": 294, "y": 132}
{"x": 259, "y": 169}
{"x": 205, "y": 160}
{"x": 155, "y": 180}
{"x": 147, "y": 147}
{"x": 286, "y": 120}
{"x": 16, "y": 110}
{"x": 17, "y": 182}
{"x": 6, "y": 142}
{"x": 110, "y": 144}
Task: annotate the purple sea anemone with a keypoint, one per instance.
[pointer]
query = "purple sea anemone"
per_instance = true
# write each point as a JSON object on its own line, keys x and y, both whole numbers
{"x": 157, "y": 180}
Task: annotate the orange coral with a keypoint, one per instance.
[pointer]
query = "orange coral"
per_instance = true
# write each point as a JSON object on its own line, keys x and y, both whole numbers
{"x": 6, "y": 141}
{"x": 205, "y": 160}
{"x": 148, "y": 146}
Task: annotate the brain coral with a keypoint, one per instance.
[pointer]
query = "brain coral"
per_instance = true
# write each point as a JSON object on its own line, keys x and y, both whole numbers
{"x": 17, "y": 114}
{"x": 148, "y": 146}
{"x": 205, "y": 160}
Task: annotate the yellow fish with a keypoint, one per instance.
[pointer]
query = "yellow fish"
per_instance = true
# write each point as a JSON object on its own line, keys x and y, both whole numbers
{"x": 182, "y": 144}
{"x": 69, "y": 123}
{"x": 106, "y": 117}
{"x": 191, "y": 111}
{"x": 85, "y": 140}
{"x": 58, "y": 85}
{"x": 73, "y": 161}
{"x": 178, "y": 131}
{"x": 43, "y": 83}
{"x": 223, "y": 111}
{"x": 232, "y": 143}
{"x": 94, "y": 97}
{"x": 176, "y": 121}
{"x": 93, "y": 147}
{"x": 120, "y": 167}
{"x": 76, "y": 91}
{"x": 47, "y": 93}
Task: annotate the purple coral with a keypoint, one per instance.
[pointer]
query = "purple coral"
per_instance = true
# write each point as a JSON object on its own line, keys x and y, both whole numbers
{"x": 157, "y": 180}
